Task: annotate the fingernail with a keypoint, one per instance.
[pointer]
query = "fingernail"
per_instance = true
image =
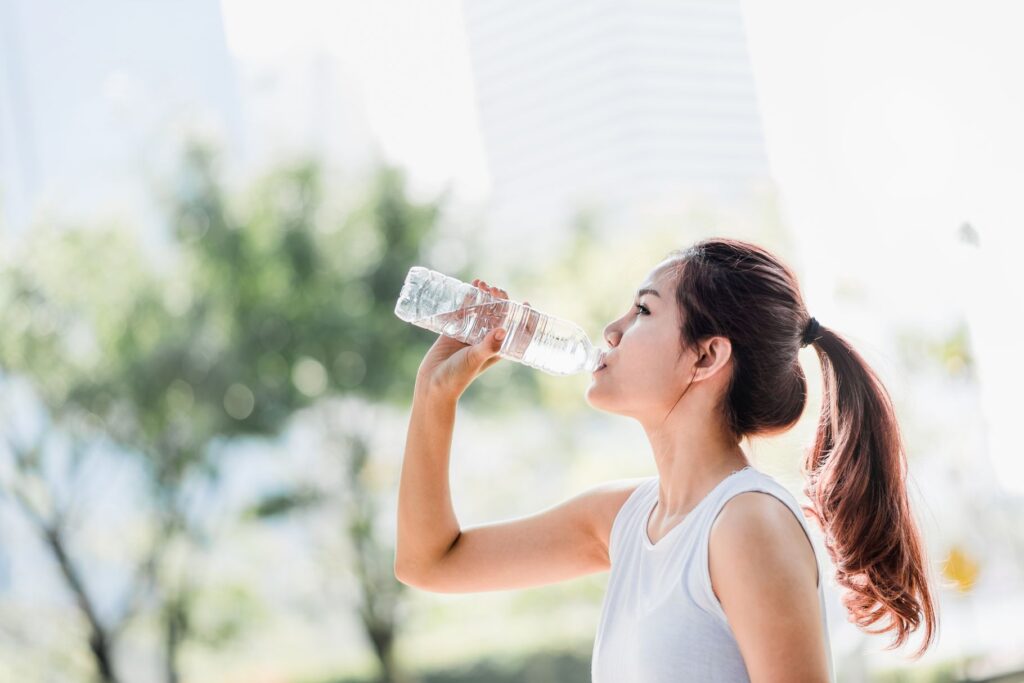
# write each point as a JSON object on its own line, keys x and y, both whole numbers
{"x": 499, "y": 335}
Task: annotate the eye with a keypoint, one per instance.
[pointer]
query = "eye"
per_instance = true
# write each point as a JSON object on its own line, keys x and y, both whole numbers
{"x": 642, "y": 308}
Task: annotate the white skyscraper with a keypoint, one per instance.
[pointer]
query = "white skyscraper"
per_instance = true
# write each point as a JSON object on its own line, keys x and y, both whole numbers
{"x": 92, "y": 94}
{"x": 610, "y": 104}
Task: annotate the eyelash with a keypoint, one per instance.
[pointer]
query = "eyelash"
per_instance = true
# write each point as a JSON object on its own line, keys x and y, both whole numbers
{"x": 643, "y": 308}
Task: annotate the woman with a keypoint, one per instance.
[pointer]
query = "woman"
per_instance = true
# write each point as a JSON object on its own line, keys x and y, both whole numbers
{"x": 710, "y": 581}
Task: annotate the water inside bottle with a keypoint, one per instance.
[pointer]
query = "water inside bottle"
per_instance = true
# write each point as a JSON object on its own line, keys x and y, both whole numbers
{"x": 471, "y": 323}
{"x": 533, "y": 338}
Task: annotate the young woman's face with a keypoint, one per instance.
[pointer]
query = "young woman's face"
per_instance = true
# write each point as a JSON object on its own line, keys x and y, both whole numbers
{"x": 645, "y": 372}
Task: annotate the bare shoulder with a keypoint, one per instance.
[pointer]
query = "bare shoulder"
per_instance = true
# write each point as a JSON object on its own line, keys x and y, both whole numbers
{"x": 764, "y": 573}
{"x": 763, "y": 530}
{"x": 604, "y": 502}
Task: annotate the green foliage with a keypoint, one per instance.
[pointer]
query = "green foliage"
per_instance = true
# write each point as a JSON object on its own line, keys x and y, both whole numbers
{"x": 220, "y": 613}
{"x": 263, "y": 304}
{"x": 281, "y": 503}
{"x": 260, "y": 312}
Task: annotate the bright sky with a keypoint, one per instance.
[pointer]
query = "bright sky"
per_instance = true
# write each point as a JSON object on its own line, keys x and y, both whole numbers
{"x": 411, "y": 62}
{"x": 889, "y": 125}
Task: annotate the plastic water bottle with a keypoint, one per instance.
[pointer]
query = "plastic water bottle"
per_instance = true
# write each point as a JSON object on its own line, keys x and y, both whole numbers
{"x": 448, "y": 306}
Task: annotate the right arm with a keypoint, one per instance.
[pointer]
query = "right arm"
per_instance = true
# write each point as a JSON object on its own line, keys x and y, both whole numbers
{"x": 427, "y": 526}
{"x": 432, "y": 551}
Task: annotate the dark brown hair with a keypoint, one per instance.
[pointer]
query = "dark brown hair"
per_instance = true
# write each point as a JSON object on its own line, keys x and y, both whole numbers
{"x": 856, "y": 471}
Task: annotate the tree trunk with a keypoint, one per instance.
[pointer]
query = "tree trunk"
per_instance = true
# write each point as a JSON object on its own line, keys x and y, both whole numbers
{"x": 380, "y": 592}
{"x": 174, "y": 632}
{"x": 383, "y": 640}
{"x": 99, "y": 639}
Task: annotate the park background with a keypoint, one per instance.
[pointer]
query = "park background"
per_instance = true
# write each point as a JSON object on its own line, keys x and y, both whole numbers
{"x": 207, "y": 210}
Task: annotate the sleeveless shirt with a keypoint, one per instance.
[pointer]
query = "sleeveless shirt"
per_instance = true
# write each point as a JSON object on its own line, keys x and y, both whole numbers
{"x": 660, "y": 620}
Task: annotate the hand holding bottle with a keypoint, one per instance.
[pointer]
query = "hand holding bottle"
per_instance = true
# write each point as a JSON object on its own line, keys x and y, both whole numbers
{"x": 450, "y": 365}
{"x": 468, "y": 313}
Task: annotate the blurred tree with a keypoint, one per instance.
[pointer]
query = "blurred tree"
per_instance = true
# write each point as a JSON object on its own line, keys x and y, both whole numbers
{"x": 49, "y": 298}
{"x": 264, "y": 310}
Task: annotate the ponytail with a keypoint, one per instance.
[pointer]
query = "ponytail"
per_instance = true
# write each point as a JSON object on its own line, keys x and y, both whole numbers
{"x": 856, "y": 474}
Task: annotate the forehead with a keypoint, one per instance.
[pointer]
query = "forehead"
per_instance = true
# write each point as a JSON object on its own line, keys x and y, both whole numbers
{"x": 662, "y": 275}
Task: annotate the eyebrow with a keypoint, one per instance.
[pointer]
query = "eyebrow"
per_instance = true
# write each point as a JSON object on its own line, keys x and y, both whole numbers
{"x": 641, "y": 292}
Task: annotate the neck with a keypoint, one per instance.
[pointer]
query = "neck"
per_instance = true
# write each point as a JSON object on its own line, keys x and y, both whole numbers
{"x": 692, "y": 458}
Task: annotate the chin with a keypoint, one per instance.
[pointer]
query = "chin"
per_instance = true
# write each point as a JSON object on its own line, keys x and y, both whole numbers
{"x": 596, "y": 400}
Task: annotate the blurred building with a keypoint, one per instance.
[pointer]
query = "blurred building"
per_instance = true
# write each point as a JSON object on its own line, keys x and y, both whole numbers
{"x": 304, "y": 103}
{"x": 92, "y": 96}
{"x": 611, "y": 106}
{"x": 96, "y": 99}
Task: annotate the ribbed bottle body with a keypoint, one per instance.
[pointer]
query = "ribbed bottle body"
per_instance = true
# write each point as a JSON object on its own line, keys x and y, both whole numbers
{"x": 448, "y": 306}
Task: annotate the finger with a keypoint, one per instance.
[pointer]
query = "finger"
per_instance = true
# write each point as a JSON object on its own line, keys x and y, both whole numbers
{"x": 479, "y": 354}
{"x": 497, "y": 291}
{"x": 489, "y": 346}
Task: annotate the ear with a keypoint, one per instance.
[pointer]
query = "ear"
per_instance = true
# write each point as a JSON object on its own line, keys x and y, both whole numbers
{"x": 714, "y": 354}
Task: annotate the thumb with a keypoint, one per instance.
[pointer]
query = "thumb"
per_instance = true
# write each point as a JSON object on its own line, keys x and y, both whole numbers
{"x": 489, "y": 346}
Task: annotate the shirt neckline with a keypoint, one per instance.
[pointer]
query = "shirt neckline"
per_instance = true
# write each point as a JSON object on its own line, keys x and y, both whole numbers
{"x": 689, "y": 515}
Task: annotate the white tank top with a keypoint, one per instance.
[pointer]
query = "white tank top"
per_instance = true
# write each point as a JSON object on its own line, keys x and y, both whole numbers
{"x": 660, "y": 621}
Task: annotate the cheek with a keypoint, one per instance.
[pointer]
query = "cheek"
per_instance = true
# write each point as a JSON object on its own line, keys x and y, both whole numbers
{"x": 646, "y": 360}
{"x": 633, "y": 388}
{"x": 641, "y": 373}
{"x": 653, "y": 366}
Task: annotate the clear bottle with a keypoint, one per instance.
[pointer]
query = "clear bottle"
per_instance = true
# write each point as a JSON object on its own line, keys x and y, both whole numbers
{"x": 448, "y": 306}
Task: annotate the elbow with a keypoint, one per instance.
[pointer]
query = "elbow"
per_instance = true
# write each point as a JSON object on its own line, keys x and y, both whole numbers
{"x": 413, "y": 581}
{"x": 412, "y": 572}
{"x": 401, "y": 573}
{"x": 405, "y": 580}
{"x": 408, "y": 576}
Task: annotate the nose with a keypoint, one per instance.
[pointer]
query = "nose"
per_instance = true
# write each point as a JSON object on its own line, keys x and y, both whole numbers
{"x": 611, "y": 335}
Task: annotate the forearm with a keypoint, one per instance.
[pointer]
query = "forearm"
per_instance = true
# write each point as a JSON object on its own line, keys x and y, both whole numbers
{"x": 427, "y": 526}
